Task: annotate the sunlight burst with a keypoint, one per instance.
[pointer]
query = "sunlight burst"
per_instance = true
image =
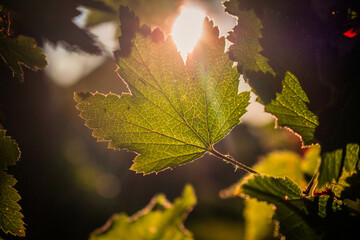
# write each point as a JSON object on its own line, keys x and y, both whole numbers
{"x": 187, "y": 29}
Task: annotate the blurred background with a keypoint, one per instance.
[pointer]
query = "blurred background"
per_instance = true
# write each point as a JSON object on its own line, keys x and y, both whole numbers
{"x": 70, "y": 184}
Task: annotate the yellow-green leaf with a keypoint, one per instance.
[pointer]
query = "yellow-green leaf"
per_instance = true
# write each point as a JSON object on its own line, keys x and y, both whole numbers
{"x": 290, "y": 205}
{"x": 10, "y": 215}
{"x": 160, "y": 220}
{"x": 291, "y": 111}
{"x": 258, "y": 215}
{"x": 174, "y": 112}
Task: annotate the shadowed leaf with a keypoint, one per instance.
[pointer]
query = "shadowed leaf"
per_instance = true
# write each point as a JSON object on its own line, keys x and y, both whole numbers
{"x": 336, "y": 167}
{"x": 22, "y": 51}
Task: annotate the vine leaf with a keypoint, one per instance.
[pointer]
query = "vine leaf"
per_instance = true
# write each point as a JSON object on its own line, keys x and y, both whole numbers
{"x": 287, "y": 197}
{"x": 10, "y": 215}
{"x": 289, "y": 104}
{"x": 22, "y": 51}
{"x": 246, "y": 51}
{"x": 174, "y": 112}
{"x": 159, "y": 220}
{"x": 297, "y": 37}
{"x": 336, "y": 167}
{"x": 245, "y": 38}
{"x": 291, "y": 111}
{"x": 299, "y": 216}
{"x": 258, "y": 214}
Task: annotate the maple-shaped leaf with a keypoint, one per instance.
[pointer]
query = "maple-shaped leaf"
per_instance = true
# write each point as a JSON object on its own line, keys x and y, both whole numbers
{"x": 10, "y": 215}
{"x": 160, "y": 220}
{"x": 291, "y": 111}
{"x": 174, "y": 112}
{"x": 22, "y": 51}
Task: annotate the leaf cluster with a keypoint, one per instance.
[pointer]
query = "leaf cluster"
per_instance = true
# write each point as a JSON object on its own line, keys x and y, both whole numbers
{"x": 293, "y": 55}
{"x": 306, "y": 39}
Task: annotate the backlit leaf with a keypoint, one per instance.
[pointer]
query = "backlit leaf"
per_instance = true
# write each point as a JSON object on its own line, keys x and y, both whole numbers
{"x": 287, "y": 197}
{"x": 175, "y": 111}
{"x": 291, "y": 111}
{"x": 258, "y": 215}
{"x": 10, "y": 215}
{"x": 160, "y": 220}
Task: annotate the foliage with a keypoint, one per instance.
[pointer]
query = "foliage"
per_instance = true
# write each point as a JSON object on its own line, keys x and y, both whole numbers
{"x": 22, "y": 51}
{"x": 175, "y": 112}
{"x": 297, "y": 58}
{"x": 158, "y": 220}
{"x": 10, "y": 215}
{"x": 258, "y": 215}
{"x": 291, "y": 110}
{"x": 159, "y": 13}
{"x": 18, "y": 51}
{"x": 333, "y": 164}
{"x": 306, "y": 39}
{"x": 53, "y": 21}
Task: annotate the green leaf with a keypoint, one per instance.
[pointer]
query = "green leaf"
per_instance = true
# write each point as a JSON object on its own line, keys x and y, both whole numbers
{"x": 287, "y": 197}
{"x": 10, "y": 215}
{"x": 258, "y": 215}
{"x": 160, "y": 220}
{"x": 351, "y": 157}
{"x": 9, "y": 151}
{"x": 335, "y": 167}
{"x": 330, "y": 167}
{"x": 323, "y": 205}
{"x": 22, "y": 51}
{"x": 289, "y": 107}
{"x": 245, "y": 38}
{"x": 175, "y": 112}
{"x": 312, "y": 159}
{"x": 291, "y": 111}
{"x": 246, "y": 51}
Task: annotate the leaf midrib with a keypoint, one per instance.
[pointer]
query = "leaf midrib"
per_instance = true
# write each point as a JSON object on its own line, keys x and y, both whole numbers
{"x": 171, "y": 103}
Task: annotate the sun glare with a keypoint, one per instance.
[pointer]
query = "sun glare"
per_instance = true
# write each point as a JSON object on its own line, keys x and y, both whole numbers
{"x": 187, "y": 29}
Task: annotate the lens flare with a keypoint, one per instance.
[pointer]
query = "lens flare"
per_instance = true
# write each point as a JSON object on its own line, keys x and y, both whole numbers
{"x": 187, "y": 29}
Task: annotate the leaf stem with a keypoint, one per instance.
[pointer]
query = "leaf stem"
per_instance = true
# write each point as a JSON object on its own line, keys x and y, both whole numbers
{"x": 232, "y": 161}
{"x": 311, "y": 183}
